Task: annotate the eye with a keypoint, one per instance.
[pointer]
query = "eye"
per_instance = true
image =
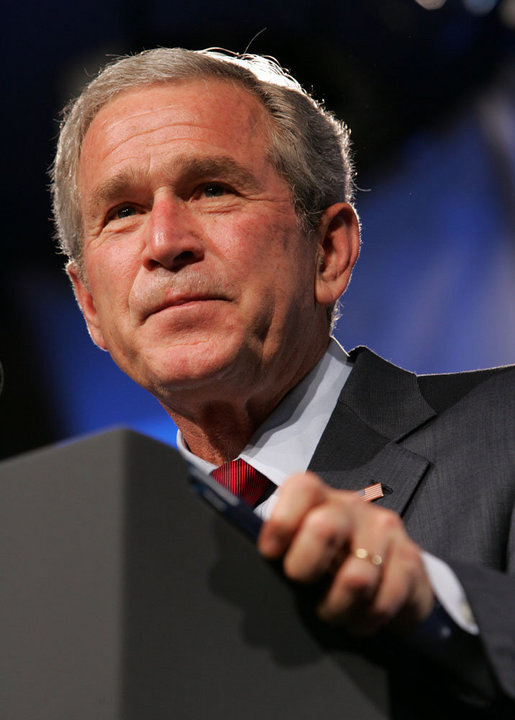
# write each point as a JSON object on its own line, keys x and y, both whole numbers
{"x": 124, "y": 211}
{"x": 121, "y": 212}
{"x": 214, "y": 190}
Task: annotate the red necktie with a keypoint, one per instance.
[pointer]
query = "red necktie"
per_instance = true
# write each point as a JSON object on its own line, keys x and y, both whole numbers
{"x": 242, "y": 480}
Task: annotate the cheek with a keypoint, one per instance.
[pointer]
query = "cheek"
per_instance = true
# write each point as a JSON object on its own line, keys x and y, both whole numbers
{"x": 111, "y": 278}
{"x": 256, "y": 243}
{"x": 277, "y": 280}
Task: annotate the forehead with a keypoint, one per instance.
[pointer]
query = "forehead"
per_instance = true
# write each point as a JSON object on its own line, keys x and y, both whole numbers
{"x": 204, "y": 112}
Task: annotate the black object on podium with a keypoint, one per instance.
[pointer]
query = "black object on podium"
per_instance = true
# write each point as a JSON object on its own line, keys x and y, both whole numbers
{"x": 124, "y": 596}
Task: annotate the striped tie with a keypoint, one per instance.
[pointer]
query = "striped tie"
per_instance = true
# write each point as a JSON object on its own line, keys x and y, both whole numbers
{"x": 242, "y": 480}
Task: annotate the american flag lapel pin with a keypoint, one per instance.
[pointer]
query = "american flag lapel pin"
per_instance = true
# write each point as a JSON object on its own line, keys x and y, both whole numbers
{"x": 371, "y": 492}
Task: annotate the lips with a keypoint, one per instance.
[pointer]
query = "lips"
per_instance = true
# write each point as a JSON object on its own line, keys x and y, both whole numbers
{"x": 178, "y": 301}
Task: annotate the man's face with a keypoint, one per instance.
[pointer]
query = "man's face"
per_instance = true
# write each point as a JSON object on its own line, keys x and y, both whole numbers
{"x": 198, "y": 277}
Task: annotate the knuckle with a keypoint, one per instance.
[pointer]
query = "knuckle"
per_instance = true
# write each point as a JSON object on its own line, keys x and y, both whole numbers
{"x": 349, "y": 500}
{"x": 298, "y": 570}
{"x": 275, "y": 538}
{"x": 290, "y": 568}
{"x": 389, "y": 521}
{"x": 299, "y": 573}
{"x": 321, "y": 526}
{"x": 355, "y": 579}
{"x": 307, "y": 483}
{"x": 280, "y": 528}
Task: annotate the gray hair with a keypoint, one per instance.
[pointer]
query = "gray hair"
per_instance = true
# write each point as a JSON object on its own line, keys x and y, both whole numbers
{"x": 308, "y": 146}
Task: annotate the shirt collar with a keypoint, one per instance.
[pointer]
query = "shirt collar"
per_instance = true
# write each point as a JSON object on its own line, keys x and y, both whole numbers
{"x": 287, "y": 440}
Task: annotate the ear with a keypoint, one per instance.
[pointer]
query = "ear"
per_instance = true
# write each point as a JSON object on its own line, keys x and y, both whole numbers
{"x": 338, "y": 243}
{"x": 86, "y": 304}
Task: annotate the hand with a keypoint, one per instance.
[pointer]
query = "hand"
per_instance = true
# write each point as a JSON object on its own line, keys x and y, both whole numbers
{"x": 320, "y": 532}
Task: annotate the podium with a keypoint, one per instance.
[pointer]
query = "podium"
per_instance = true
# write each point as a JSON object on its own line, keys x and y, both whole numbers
{"x": 123, "y": 596}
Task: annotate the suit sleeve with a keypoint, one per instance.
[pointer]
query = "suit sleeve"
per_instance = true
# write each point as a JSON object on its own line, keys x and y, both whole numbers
{"x": 491, "y": 595}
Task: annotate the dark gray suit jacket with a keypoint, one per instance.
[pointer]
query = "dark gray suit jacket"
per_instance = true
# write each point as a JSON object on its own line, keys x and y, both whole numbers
{"x": 443, "y": 446}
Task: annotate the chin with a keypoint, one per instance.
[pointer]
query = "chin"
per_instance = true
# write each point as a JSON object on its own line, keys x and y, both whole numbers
{"x": 191, "y": 367}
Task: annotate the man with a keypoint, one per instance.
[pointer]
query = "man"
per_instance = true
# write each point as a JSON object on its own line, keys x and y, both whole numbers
{"x": 203, "y": 201}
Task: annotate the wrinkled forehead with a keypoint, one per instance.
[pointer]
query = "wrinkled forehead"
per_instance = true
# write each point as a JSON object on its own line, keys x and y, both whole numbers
{"x": 202, "y": 102}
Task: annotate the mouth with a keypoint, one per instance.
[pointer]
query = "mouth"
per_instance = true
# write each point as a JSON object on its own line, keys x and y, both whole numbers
{"x": 180, "y": 302}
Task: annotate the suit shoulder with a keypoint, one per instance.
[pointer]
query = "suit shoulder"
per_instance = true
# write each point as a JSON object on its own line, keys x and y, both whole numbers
{"x": 440, "y": 391}
{"x": 444, "y": 390}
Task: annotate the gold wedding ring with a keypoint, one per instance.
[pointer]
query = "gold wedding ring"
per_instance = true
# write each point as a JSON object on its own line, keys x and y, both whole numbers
{"x": 363, "y": 554}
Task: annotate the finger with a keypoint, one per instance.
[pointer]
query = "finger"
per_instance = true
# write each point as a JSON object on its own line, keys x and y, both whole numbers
{"x": 320, "y": 541}
{"x": 299, "y": 494}
{"x": 405, "y": 596}
{"x": 369, "y": 554}
{"x": 396, "y": 593}
{"x": 351, "y": 592}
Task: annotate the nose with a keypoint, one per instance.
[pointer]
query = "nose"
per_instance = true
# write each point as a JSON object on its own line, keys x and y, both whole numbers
{"x": 173, "y": 236}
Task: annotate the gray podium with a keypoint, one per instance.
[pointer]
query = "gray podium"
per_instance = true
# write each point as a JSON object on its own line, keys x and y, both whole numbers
{"x": 124, "y": 596}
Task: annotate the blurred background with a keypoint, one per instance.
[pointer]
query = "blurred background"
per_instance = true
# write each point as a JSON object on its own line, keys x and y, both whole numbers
{"x": 428, "y": 88}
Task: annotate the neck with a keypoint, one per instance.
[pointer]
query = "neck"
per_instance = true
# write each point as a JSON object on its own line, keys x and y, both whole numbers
{"x": 220, "y": 435}
{"x": 218, "y": 430}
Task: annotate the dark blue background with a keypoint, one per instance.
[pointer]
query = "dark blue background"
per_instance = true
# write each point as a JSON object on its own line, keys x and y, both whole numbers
{"x": 430, "y": 99}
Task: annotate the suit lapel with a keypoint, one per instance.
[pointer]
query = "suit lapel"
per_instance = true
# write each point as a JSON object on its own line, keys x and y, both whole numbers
{"x": 379, "y": 406}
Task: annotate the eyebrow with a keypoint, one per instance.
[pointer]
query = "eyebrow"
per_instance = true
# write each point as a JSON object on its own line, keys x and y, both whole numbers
{"x": 113, "y": 187}
{"x": 220, "y": 167}
{"x": 183, "y": 168}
